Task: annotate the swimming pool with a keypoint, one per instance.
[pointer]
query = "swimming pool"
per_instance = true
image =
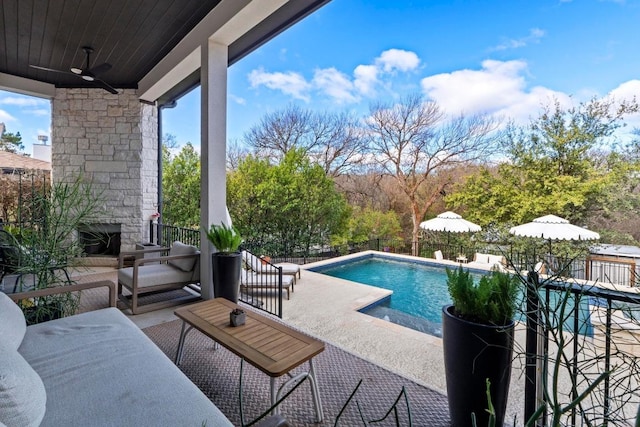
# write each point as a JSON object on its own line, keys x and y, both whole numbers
{"x": 419, "y": 291}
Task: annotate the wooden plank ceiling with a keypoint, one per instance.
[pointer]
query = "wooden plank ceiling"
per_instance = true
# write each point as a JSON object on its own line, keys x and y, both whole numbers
{"x": 131, "y": 35}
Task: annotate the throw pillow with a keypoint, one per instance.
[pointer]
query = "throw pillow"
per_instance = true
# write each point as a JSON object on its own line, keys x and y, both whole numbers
{"x": 179, "y": 248}
{"x": 23, "y": 398}
{"x": 12, "y": 323}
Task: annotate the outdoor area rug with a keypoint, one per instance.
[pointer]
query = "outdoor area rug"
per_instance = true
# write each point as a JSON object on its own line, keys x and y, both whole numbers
{"x": 216, "y": 371}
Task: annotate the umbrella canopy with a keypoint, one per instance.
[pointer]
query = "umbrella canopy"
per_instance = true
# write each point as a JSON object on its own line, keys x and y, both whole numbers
{"x": 553, "y": 227}
{"x": 450, "y": 222}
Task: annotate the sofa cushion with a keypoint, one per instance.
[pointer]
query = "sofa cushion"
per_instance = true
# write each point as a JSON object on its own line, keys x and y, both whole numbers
{"x": 98, "y": 367}
{"x": 12, "y": 323}
{"x": 495, "y": 259}
{"x": 481, "y": 258}
{"x": 179, "y": 248}
{"x": 152, "y": 275}
{"x": 22, "y": 394}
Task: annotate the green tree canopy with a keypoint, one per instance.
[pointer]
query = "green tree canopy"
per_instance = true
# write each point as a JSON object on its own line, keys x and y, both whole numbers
{"x": 11, "y": 142}
{"x": 367, "y": 223}
{"x": 181, "y": 187}
{"x": 293, "y": 205}
{"x": 551, "y": 167}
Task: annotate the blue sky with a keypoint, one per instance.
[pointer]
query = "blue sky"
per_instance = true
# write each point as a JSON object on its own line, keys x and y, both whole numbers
{"x": 497, "y": 57}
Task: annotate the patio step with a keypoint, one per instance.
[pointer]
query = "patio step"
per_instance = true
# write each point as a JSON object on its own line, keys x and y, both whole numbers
{"x": 97, "y": 261}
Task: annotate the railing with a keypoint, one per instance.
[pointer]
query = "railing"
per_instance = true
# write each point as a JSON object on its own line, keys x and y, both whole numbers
{"x": 168, "y": 234}
{"x": 582, "y": 344}
{"x": 261, "y": 285}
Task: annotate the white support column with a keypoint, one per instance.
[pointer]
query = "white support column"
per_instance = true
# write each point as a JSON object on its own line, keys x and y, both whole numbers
{"x": 213, "y": 188}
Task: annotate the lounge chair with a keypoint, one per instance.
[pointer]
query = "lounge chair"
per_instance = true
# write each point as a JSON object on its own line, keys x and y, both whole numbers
{"x": 251, "y": 280}
{"x": 180, "y": 268}
{"x": 438, "y": 255}
{"x": 263, "y": 266}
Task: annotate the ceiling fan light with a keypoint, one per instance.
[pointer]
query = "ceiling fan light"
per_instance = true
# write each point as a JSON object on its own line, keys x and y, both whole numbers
{"x": 88, "y": 78}
{"x": 76, "y": 70}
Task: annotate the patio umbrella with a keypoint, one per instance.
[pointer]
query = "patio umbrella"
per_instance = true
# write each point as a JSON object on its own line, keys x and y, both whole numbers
{"x": 553, "y": 227}
{"x": 450, "y": 222}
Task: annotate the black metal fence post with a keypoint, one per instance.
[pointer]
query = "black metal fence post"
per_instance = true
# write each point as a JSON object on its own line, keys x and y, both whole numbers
{"x": 533, "y": 320}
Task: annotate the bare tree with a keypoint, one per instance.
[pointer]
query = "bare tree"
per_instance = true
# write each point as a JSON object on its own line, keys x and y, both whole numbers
{"x": 280, "y": 131}
{"x": 236, "y": 152}
{"x": 338, "y": 143}
{"x": 414, "y": 142}
{"x": 334, "y": 141}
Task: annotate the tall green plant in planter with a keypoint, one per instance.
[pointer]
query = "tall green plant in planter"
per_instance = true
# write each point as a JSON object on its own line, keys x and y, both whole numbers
{"x": 477, "y": 335}
{"x": 49, "y": 244}
{"x": 226, "y": 262}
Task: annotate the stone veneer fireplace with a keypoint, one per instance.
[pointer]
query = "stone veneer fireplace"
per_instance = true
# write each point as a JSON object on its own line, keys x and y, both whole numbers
{"x": 112, "y": 141}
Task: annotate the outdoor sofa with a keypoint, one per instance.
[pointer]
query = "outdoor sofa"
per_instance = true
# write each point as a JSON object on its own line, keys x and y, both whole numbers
{"x": 95, "y": 368}
{"x": 488, "y": 262}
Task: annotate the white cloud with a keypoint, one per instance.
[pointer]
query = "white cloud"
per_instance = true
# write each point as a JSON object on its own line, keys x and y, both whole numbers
{"x": 22, "y": 101}
{"x": 290, "y": 83}
{"x": 499, "y": 88}
{"x": 534, "y": 36}
{"x": 6, "y": 117}
{"x": 335, "y": 84}
{"x": 628, "y": 91}
{"x": 366, "y": 79}
{"x": 397, "y": 59}
{"x": 237, "y": 99}
{"x": 38, "y": 112}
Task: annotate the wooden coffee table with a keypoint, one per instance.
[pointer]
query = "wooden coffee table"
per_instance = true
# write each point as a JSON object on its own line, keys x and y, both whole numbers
{"x": 270, "y": 346}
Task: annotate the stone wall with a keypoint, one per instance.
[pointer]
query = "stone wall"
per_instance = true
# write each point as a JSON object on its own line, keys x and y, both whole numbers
{"x": 112, "y": 141}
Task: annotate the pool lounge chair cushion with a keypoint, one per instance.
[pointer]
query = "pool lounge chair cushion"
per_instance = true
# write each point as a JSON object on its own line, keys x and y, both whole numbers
{"x": 264, "y": 267}
{"x": 252, "y": 280}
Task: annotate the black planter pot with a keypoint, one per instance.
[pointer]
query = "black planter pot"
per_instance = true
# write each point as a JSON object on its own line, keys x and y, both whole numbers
{"x": 226, "y": 274}
{"x": 43, "y": 313}
{"x": 472, "y": 353}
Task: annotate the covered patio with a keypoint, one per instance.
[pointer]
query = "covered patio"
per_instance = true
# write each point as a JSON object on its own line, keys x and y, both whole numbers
{"x": 109, "y": 69}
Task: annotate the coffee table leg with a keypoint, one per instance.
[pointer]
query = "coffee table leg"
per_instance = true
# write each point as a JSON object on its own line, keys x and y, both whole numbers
{"x": 315, "y": 392}
{"x": 274, "y": 396}
{"x": 183, "y": 334}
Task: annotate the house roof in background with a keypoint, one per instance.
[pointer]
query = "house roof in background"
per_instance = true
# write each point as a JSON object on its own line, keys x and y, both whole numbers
{"x": 11, "y": 161}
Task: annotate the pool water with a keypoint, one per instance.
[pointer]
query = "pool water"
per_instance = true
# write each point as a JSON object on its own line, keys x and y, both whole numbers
{"x": 419, "y": 291}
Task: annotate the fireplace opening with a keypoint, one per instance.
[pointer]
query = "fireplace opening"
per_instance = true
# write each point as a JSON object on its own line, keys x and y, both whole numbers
{"x": 100, "y": 239}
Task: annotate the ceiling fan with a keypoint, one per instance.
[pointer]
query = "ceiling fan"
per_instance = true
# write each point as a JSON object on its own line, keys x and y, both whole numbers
{"x": 86, "y": 73}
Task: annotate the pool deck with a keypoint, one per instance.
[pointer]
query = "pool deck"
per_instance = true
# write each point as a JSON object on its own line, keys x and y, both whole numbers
{"x": 327, "y": 307}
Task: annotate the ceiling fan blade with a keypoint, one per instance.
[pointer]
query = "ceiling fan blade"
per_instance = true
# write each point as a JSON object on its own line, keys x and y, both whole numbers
{"x": 51, "y": 69}
{"x": 99, "y": 69}
{"x": 104, "y": 85}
